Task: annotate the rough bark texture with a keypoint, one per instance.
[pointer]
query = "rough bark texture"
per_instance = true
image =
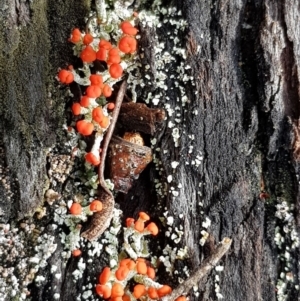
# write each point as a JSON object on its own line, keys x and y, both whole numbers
{"x": 243, "y": 112}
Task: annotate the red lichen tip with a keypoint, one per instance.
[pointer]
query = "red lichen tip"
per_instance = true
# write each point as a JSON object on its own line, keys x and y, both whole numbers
{"x": 127, "y": 28}
{"x": 129, "y": 263}
{"x": 128, "y": 44}
{"x": 139, "y": 290}
{"x": 115, "y": 70}
{"x": 106, "y": 90}
{"x": 103, "y": 291}
{"x": 75, "y": 36}
{"x": 152, "y": 293}
{"x": 150, "y": 272}
{"x": 65, "y": 76}
{"x": 114, "y": 56}
{"x": 101, "y": 54}
{"x": 105, "y": 275}
{"x": 152, "y": 228}
{"x": 96, "y": 206}
{"x": 122, "y": 272}
{"x": 93, "y": 91}
{"x": 92, "y": 159}
{"x": 96, "y": 79}
{"x": 84, "y": 127}
{"x": 129, "y": 221}
{"x": 105, "y": 44}
{"x": 76, "y": 253}
{"x": 76, "y": 108}
{"x": 144, "y": 216}
{"x": 110, "y": 106}
{"x": 75, "y": 209}
{"x": 88, "y": 54}
{"x": 139, "y": 226}
{"x": 104, "y": 123}
{"x": 97, "y": 114}
{"x": 85, "y": 101}
{"x": 88, "y": 39}
{"x": 164, "y": 290}
{"x": 117, "y": 290}
{"x": 141, "y": 267}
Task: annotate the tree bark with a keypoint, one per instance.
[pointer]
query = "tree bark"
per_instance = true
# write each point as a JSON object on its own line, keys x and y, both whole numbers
{"x": 237, "y": 154}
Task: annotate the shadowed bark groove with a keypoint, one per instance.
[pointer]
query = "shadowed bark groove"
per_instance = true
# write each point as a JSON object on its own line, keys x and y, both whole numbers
{"x": 243, "y": 113}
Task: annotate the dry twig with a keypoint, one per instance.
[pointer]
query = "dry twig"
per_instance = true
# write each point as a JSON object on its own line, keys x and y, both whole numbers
{"x": 207, "y": 265}
{"x": 101, "y": 220}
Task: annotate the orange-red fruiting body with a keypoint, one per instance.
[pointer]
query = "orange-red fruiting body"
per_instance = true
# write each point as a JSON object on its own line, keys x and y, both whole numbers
{"x": 103, "y": 291}
{"x": 97, "y": 114}
{"x": 85, "y": 101}
{"x": 181, "y": 298}
{"x": 164, "y": 290}
{"x": 127, "y": 262}
{"x": 129, "y": 221}
{"x": 75, "y": 209}
{"x": 115, "y": 70}
{"x": 114, "y": 56}
{"x": 92, "y": 159}
{"x": 113, "y": 60}
{"x": 84, "y": 127}
{"x": 141, "y": 267}
{"x": 127, "y": 44}
{"x": 124, "y": 262}
{"x": 139, "y": 226}
{"x": 125, "y": 298}
{"x": 96, "y": 206}
{"x": 141, "y": 259}
{"x": 93, "y": 91}
{"x": 117, "y": 290}
{"x": 65, "y": 76}
{"x": 105, "y": 44}
{"x": 110, "y": 106}
{"x": 152, "y": 228}
{"x": 144, "y": 216}
{"x": 76, "y": 253}
{"x": 122, "y": 272}
{"x": 131, "y": 265}
{"x": 75, "y": 36}
{"x": 101, "y": 54}
{"x": 152, "y": 293}
{"x": 96, "y": 79}
{"x": 105, "y": 275}
{"x": 76, "y": 108}
{"x": 88, "y": 39}
{"x": 127, "y": 28}
{"x": 106, "y": 90}
{"x": 139, "y": 290}
{"x": 150, "y": 272}
{"x": 104, "y": 123}
{"x": 88, "y": 54}
{"x": 114, "y": 52}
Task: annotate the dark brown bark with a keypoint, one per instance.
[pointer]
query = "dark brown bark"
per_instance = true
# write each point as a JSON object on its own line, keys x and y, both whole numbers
{"x": 243, "y": 113}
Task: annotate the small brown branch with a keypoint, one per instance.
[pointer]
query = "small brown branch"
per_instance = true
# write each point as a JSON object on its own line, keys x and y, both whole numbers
{"x": 110, "y": 131}
{"x": 207, "y": 265}
{"x": 101, "y": 220}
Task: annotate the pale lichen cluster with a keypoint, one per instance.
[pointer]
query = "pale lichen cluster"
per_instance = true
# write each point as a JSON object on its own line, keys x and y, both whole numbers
{"x": 287, "y": 241}
{"x": 23, "y": 251}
